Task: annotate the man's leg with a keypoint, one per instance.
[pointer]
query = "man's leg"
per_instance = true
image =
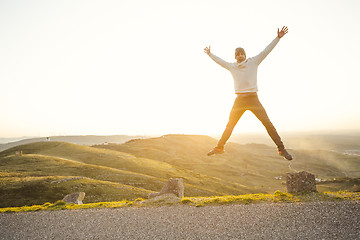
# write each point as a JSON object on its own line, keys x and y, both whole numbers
{"x": 236, "y": 112}
{"x": 261, "y": 114}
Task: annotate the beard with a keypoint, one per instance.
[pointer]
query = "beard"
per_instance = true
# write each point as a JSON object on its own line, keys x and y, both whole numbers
{"x": 241, "y": 60}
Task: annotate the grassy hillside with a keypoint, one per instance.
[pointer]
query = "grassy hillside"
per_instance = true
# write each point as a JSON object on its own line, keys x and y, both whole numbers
{"x": 244, "y": 164}
{"x": 21, "y": 189}
{"x": 254, "y": 165}
{"x": 43, "y": 161}
{"x": 48, "y": 171}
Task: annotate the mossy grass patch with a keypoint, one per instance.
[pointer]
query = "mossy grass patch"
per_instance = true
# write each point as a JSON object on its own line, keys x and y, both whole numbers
{"x": 277, "y": 197}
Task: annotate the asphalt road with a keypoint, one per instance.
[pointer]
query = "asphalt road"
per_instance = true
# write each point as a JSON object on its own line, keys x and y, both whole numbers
{"x": 320, "y": 220}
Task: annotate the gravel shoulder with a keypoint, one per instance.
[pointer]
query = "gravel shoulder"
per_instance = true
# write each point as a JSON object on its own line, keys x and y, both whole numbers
{"x": 312, "y": 220}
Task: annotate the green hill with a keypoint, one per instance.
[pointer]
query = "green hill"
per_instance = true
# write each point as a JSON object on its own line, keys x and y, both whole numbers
{"x": 253, "y": 165}
{"x": 47, "y": 171}
{"x": 20, "y": 190}
{"x": 64, "y": 160}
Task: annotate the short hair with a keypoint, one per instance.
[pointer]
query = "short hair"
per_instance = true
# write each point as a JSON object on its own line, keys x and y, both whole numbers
{"x": 239, "y": 50}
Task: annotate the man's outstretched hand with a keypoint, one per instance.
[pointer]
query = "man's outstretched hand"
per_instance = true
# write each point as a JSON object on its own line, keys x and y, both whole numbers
{"x": 207, "y": 50}
{"x": 283, "y": 31}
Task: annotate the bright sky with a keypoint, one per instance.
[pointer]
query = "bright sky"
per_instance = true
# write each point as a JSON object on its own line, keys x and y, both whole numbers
{"x": 138, "y": 67}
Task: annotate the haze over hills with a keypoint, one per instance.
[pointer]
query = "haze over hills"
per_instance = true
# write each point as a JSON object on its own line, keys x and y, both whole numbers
{"x": 342, "y": 141}
{"x": 8, "y": 140}
{"x": 49, "y": 170}
{"x": 81, "y": 140}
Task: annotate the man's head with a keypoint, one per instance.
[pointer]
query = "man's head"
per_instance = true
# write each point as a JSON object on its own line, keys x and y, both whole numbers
{"x": 240, "y": 54}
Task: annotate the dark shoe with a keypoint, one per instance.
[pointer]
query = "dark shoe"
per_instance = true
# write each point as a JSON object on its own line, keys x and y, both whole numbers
{"x": 285, "y": 154}
{"x": 216, "y": 150}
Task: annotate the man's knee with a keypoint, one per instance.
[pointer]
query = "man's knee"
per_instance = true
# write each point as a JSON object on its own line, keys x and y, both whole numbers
{"x": 268, "y": 124}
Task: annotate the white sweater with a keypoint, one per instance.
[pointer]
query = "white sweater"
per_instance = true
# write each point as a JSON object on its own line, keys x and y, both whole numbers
{"x": 245, "y": 73}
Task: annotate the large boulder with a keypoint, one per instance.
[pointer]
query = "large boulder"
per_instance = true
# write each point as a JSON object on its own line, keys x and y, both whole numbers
{"x": 300, "y": 182}
{"x": 76, "y": 198}
{"x": 174, "y": 186}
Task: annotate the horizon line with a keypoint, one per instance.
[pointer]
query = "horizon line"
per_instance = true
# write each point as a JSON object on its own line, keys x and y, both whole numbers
{"x": 354, "y": 131}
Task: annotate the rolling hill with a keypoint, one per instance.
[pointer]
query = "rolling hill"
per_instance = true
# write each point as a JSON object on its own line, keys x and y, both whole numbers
{"x": 253, "y": 165}
{"x": 47, "y": 171}
{"x": 42, "y": 162}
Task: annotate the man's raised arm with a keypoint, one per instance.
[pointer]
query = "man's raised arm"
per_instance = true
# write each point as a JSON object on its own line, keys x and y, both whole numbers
{"x": 259, "y": 58}
{"x": 216, "y": 59}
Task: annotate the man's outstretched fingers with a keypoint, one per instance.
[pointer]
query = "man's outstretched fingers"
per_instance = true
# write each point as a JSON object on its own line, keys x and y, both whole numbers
{"x": 284, "y": 30}
{"x": 207, "y": 50}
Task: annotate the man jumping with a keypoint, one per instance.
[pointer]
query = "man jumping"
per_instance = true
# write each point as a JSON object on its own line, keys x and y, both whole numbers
{"x": 244, "y": 72}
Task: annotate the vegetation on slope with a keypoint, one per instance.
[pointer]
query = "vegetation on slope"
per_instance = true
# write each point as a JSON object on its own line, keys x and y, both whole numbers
{"x": 47, "y": 171}
{"x": 253, "y": 165}
{"x": 27, "y": 179}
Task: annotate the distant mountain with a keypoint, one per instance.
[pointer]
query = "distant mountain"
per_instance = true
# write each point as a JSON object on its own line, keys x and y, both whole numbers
{"x": 8, "y": 140}
{"x": 81, "y": 140}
